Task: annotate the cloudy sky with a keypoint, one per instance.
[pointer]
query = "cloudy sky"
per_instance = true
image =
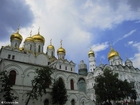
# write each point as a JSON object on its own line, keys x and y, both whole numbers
{"x": 81, "y": 24}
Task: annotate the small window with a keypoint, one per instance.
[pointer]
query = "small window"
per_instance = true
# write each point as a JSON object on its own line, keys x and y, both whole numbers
{"x": 59, "y": 66}
{"x": 30, "y": 47}
{"x": 16, "y": 45}
{"x": 52, "y": 53}
{"x": 39, "y": 48}
{"x": 71, "y": 68}
{"x": 9, "y": 56}
{"x": 13, "y": 57}
{"x": 66, "y": 68}
{"x": 49, "y": 63}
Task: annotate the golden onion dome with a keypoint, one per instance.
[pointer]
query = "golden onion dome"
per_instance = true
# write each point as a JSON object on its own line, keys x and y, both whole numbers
{"x": 61, "y": 50}
{"x": 112, "y": 53}
{"x": 39, "y": 38}
{"x": 91, "y": 53}
{"x": 16, "y": 36}
{"x": 50, "y": 46}
{"x": 29, "y": 39}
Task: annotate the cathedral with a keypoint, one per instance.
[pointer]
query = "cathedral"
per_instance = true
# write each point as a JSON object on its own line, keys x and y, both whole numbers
{"x": 21, "y": 63}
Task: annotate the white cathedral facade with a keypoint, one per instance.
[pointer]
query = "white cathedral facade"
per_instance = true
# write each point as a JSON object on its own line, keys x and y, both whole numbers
{"x": 21, "y": 62}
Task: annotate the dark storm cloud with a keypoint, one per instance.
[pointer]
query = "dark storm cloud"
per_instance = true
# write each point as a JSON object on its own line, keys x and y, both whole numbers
{"x": 135, "y": 4}
{"x": 13, "y": 13}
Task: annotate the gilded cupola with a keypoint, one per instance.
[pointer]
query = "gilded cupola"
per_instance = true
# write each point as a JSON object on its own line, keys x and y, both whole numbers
{"x": 38, "y": 38}
{"x": 91, "y": 53}
{"x": 112, "y": 53}
{"x": 29, "y": 39}
{"x": 50, "y": 46}
{"x": 61, "y": 49}
{"x": 16, "y": 36}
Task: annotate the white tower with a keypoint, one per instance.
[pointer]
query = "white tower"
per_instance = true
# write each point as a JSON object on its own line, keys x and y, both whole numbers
{"x": 92, "y": 61}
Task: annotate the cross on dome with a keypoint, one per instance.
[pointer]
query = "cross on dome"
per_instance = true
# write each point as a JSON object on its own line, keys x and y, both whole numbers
{"x": 51, "y": 42}
{"x": 18, "y": 28}
{"x": 39, "y": 30}
{"x": 61, "y": 42}
{"x": 31, "y": 33}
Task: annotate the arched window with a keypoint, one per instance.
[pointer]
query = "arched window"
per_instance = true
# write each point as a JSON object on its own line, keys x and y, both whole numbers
{"x": 46, "y": 102}
{"x": 30, "y": 47}
{"x": 12, "y": 77}
{"x": 65, "y": 67}
{"x": 52, "y": 53}
{"x": 39, "y": 48}
{"x": 72, "y": 102}
{"x": 83, "y": 103}
{"x": 59, "y": 66}
{"x": 72, "y": 84}
{"x": 82, "y": 84}
{"x": 60, "y": 79}
{"x": 16, "y": 45}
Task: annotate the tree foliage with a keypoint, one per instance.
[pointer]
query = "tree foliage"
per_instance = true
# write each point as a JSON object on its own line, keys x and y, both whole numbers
{"x": 108, "y": 87}
{"x": 59, "y": 92}
{"x": 6, "y": 87}
{"x": 40, "y": 83}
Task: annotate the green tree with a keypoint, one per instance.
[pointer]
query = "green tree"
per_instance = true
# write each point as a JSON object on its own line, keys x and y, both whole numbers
{"x": 40, "y": 83}
{"x": 59, "y": 92}
{"x": 108, "y": 87}
{"x": 6, "y": 88}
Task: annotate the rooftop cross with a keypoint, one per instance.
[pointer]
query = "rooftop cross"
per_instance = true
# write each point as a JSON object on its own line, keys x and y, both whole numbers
{"x": 31, "y": 33}
{"x": 51, "y": 42}
{"x": 61, "y": 42}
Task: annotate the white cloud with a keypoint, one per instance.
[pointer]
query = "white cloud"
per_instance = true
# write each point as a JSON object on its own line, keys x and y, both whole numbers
{"x": 130, "y": 42}
{"x": 125, "y": 36}
{"x": 136, "y": 58}
{"x": 103, "y": 15}
{"x": 99, "y": 47}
